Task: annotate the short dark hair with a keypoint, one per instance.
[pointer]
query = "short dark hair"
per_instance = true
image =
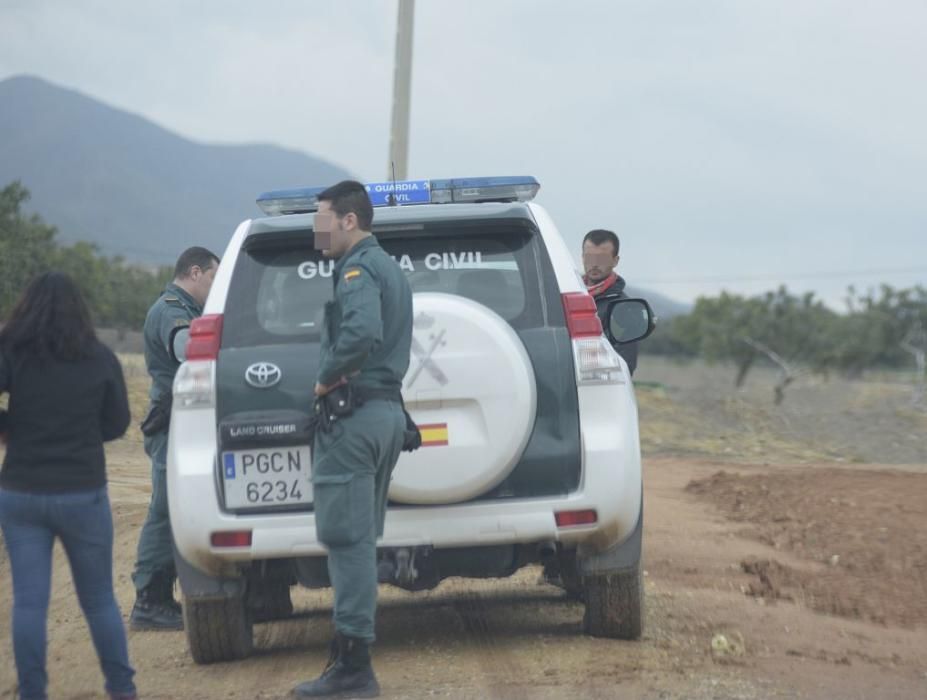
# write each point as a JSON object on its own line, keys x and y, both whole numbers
{"x": 194, "y": 257}
{"x": 598, "y": 236}
{"x": 350, "y": 197}
{"x": 50, "y": 321}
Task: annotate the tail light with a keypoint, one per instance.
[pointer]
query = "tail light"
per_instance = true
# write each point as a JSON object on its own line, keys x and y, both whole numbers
{"x": 195, "y": 383}
{"x": 595, "y": 359}
{"x": 581, "y": 315}
{"x": 205, "y": 337}
{"x": 574, "y": 518}
{"x": 234, "y": 538}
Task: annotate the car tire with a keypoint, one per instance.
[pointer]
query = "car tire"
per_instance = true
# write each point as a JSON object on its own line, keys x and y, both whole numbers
{"x": 614, "y": 604}
{"x": 218, "y": 630}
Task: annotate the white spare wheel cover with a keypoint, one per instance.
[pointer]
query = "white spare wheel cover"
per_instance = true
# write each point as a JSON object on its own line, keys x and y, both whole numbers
{"x": 472, "y": 381}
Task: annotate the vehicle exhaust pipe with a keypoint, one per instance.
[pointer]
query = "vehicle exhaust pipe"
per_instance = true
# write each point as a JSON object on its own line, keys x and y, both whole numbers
{"x": 547, "y": 551}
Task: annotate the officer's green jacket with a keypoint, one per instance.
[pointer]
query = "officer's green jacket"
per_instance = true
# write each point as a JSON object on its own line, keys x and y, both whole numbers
{"x": 173, "y": 308}
{"x": 368, "y": 326}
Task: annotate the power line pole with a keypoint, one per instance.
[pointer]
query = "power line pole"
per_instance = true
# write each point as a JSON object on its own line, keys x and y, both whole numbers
{"x": 402, "y": 89}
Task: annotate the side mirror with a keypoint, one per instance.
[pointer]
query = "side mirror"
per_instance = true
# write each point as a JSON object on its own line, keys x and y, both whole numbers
{"x": 177, "y": 347}
{"x": 629, "y": 320}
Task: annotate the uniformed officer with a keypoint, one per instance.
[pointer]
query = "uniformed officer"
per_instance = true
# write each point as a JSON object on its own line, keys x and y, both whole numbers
{"x": 366, "y": 341}
{"x": 181, "y": 302}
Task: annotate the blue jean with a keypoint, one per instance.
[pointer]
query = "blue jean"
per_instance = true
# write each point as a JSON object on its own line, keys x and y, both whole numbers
{"x": 83, "y": 522}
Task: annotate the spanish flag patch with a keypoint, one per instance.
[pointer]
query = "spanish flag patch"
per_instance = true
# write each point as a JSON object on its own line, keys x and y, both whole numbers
{"x": 434, "y": 435}
{"x": 351, "y": 274}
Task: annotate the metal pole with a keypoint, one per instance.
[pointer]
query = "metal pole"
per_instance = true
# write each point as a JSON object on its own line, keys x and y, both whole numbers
{"x": 402, "y": 89}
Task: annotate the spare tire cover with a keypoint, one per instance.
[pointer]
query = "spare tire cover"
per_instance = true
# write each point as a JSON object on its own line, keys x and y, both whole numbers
{"x": 471, "y": 389}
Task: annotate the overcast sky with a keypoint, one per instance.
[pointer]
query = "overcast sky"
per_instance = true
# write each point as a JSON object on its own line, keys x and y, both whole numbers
{"x": 731, "y": 144}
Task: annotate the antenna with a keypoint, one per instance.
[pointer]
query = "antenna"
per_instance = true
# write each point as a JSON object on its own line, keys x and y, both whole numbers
{"x": 391, "y": 199}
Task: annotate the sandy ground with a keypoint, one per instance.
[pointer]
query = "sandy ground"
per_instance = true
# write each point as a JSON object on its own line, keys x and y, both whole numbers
{"x": 804, "y": 565}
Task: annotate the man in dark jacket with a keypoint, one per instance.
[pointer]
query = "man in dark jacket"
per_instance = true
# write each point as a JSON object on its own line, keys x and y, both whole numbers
{"x": 600, "y": 257}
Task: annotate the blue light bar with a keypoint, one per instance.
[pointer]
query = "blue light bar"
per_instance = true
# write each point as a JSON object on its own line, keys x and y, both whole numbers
{"x": 278, "y": 202}
{"x": 484, "y": 189}
{"x": 410, "y": 192}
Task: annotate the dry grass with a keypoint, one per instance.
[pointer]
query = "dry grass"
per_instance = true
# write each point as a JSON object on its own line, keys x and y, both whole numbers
{"x": 695, "y": 410}
{"x": 674, "y": 428}
{"x": 137, "y": 383}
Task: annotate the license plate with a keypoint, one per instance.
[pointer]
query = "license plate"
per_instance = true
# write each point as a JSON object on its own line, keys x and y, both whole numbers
{"x": 266, "y": 477}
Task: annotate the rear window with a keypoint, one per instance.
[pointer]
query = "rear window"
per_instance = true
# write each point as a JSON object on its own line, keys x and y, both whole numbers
{"x": 281, "y": 284}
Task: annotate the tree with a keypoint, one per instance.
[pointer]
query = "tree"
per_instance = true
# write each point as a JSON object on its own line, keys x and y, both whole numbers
{"x": 118, "y": 294}
{"x": 26, "y": 245}
{"x": 798, "y": 333}
{"x": 876, "y": 326}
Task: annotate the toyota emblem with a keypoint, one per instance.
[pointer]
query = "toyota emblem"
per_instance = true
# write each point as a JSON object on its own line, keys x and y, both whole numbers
{"x": 263, "y": 375}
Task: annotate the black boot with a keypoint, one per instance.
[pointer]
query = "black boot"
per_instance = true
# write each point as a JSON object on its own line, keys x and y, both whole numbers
{"x": 167, "y": 595}
{"x": 348, "y": 673}
{"x": 155, "y": 608}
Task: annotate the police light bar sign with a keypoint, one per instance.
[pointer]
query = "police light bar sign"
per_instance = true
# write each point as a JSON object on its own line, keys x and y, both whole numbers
{"x": 472, "y": 189}
{"x": 404, "y": 191}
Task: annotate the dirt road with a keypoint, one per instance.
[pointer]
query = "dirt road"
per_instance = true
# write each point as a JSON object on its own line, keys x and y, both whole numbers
{"x": 720, "y": 560}
{"x": 768, "y": 532}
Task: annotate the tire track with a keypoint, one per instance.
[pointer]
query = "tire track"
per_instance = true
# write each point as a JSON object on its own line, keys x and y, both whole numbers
{"x": 503, "y": 674}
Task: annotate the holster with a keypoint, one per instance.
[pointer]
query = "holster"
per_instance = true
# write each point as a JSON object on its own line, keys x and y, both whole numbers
{"x": 412, "y": 438}
{"x": 158, "y": 419}
{"x": 338, "y": 403}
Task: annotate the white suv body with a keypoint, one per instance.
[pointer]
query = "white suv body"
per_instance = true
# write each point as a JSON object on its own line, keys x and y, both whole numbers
{"x": 584, "y": 523}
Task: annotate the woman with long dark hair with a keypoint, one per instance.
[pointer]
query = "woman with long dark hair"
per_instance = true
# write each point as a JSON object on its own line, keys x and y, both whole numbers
{"x": 67, "y": 396}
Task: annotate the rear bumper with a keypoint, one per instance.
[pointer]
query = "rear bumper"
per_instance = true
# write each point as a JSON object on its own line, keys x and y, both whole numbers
{"x": 611, "y": 485}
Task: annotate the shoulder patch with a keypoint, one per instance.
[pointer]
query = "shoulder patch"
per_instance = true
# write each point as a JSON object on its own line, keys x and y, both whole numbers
{"x": 351, "y": 274}
{"x": 173, "y": 300}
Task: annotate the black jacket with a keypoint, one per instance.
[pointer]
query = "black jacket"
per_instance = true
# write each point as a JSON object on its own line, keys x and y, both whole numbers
{"x": 616, "y": 291}
{"x": 60, "y": 414}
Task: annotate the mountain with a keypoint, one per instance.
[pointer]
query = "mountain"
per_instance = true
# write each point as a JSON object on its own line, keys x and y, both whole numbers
{"x": 138, "y": 190}
{"x": 118, "y": 180}
{"x": 663, "y": 307}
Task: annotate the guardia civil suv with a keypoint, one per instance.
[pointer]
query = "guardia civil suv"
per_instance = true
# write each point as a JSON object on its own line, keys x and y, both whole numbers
{"x": 529, "y": 422}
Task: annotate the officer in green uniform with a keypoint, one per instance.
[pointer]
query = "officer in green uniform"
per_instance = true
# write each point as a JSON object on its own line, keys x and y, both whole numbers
{"x": 181, "y": 302}
{"x": 366, "y": 341}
